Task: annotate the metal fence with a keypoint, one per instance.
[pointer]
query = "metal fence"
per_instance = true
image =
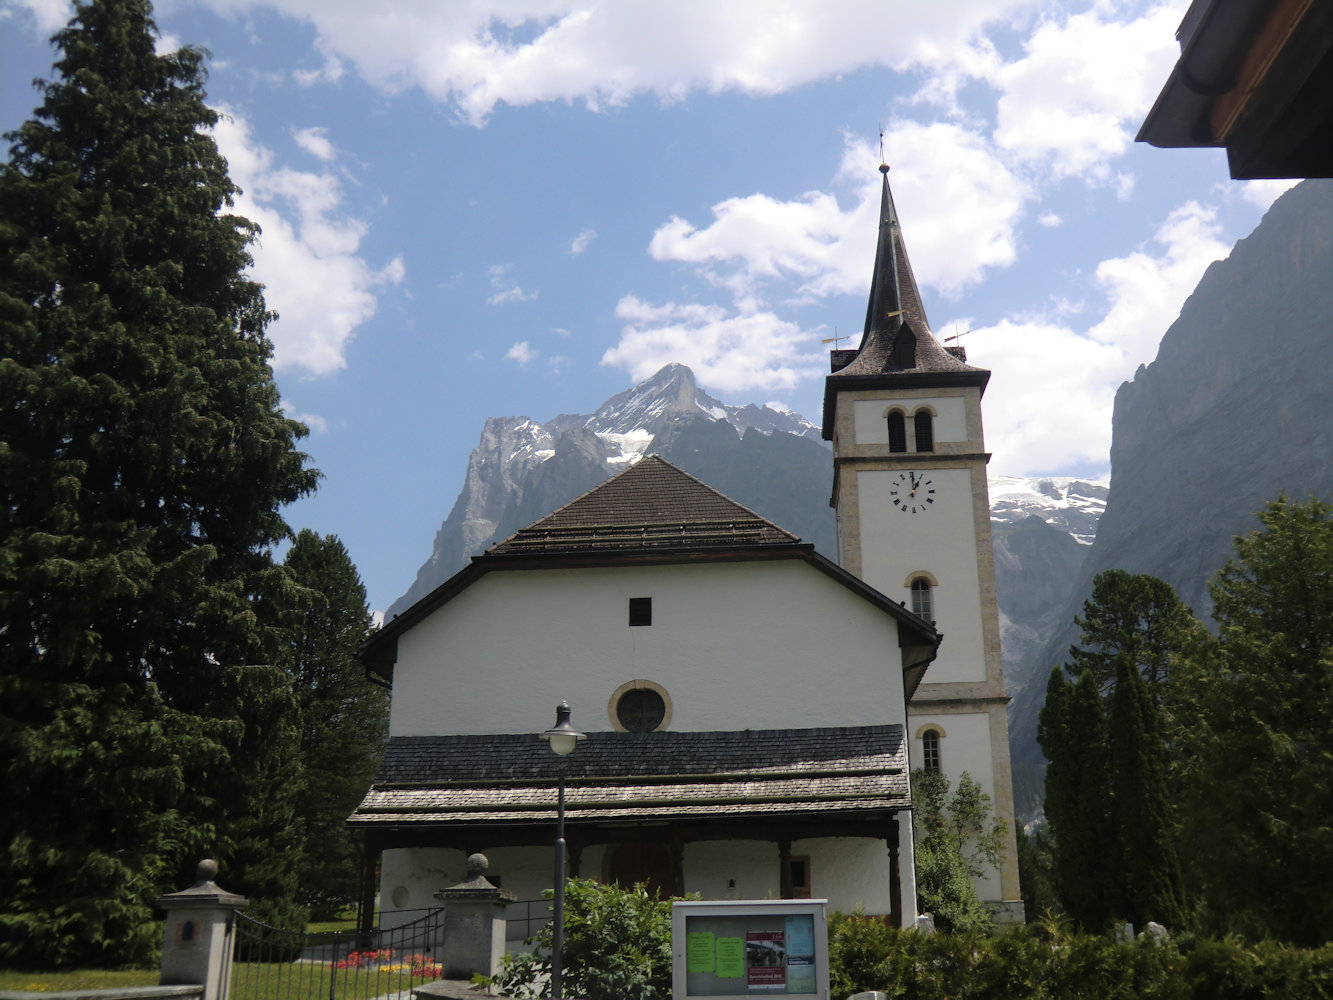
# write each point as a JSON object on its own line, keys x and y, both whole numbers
{"x": 276, "y": 964}
{"x": 525, "y": 917}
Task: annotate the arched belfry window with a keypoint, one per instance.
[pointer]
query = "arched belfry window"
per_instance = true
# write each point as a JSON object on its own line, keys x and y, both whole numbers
{"x": 930, "y": 750}
{"x": 897, "y": 431}
{"x": 925, "y": 430}
{"x": 923, "y": 602}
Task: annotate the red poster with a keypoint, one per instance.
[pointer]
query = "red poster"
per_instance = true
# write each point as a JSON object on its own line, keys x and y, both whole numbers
{"x": 766, "y": 960}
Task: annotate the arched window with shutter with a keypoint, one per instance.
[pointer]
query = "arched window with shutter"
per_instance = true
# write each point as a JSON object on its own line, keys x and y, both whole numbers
{"x": 923, "y": 603}
{"x": 925, "y": 430}
{"x": 930, "y": 750}
{"x": 897, "y": 431}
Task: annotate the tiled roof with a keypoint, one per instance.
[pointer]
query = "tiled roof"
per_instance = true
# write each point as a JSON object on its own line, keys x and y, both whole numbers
{"x": 630, "y": 776}
{"x": 652, "y": 505}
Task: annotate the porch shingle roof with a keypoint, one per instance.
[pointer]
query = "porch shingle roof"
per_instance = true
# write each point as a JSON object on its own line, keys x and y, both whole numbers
{"x": 511, "y": 778}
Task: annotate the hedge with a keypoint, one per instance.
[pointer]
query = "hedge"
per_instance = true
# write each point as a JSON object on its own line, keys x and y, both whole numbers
{"x": 1047, "y": 961}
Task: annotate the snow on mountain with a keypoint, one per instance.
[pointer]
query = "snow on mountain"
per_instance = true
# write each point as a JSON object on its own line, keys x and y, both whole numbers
{"x": 672, "y": 392}
{"x": 1072, "y": 505}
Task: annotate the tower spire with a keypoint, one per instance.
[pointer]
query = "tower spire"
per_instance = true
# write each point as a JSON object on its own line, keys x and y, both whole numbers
{"x": 894, "y": 297}
{"x": 897, "y": 343}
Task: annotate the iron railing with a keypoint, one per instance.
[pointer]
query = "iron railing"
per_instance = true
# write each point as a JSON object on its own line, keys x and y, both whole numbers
{"x": 525, "y": 917}
{"x": 276, "y": 964}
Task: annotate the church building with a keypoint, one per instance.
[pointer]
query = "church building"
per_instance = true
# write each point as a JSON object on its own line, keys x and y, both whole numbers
{"x": 753, "y": 710}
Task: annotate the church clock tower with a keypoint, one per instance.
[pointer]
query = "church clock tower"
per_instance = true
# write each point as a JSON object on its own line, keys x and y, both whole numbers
{"x": 909, "y": 484}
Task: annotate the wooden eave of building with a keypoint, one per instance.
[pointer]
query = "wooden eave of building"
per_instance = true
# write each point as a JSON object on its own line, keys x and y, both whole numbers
{"x": 1256, "y": 79}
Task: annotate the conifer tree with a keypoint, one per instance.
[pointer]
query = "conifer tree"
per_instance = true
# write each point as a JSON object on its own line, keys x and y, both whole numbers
{"x": 1261, "y": 793}
{"x": 144, "y": 461}
{"x": 344, "y": 717}
{"x": 1149, "y": 871}
{"x": 1072, "y": 732}
{"x": 1138, "y": 617}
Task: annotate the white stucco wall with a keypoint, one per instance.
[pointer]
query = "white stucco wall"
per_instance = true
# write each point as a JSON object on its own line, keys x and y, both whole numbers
{"x": 939, "y": 541}
{"x": 850, "y": 872}
{"x": 755, "y": 645}
{"x": 871, "y": 418}
{"x": 965, "y": 746}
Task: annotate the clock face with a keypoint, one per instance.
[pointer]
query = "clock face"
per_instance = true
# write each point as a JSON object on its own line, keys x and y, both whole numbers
{"x": 912, "y": 492}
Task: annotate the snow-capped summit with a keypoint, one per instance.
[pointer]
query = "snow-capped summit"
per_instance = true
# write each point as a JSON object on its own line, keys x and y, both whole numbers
{"x": 1072, "y": 505}
{"x": 671, "y": 392}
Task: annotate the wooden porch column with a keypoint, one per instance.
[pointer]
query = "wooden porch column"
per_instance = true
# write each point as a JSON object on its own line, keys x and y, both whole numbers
{"x": 677, "y": 848}
{"x": 365, "y": 908}
{"x": 895, "y": 876}
{"x": 784, "y": 869}
{"x": 575, "y": 859}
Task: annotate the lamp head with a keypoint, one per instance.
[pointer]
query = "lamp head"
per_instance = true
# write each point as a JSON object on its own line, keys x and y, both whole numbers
{"x": 563, "y": 737}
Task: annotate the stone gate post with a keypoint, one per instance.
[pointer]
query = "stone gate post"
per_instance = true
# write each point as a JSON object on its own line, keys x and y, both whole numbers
{"x": 200, "y": 938}
{"x": 474, "y": 924}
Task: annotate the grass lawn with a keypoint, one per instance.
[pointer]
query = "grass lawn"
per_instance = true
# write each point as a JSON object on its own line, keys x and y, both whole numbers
{"x": 78, "y": 979}
{"x": 310, "y": 981}
{"x": 250, "y": 981}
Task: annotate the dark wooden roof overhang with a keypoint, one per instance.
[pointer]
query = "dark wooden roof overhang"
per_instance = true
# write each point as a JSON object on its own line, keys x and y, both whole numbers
{"x": 917, "y": 638}
{"x": 1257, "y": 79}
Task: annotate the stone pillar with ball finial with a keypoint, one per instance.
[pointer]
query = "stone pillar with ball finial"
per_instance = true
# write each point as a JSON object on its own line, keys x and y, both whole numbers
{"x": 200, "y": 939}
{"x": 474, "y": 924}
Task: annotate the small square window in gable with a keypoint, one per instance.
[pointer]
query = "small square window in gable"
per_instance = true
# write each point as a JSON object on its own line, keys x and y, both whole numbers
{"x": 640, "y": 610}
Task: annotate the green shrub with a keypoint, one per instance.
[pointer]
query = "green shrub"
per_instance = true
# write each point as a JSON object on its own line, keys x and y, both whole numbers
{"x": 617, "y": 946}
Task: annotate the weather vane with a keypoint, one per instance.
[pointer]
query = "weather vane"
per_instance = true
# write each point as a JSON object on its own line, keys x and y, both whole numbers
{"x": 835, "y": 339}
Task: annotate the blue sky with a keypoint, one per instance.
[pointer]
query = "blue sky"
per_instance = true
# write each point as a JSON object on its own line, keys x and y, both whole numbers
{"x": 475, "y": 208}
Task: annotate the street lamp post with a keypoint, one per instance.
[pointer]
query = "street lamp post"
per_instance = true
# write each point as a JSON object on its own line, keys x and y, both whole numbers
{"x": 563, "y": 738}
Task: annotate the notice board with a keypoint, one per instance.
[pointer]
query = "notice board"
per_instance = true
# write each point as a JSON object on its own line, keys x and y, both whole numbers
{"x": 750, "y": 949}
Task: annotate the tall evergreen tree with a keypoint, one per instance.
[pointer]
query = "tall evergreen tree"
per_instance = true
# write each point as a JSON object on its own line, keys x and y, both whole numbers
{"x": 1260, "y": 814}
{"x": 1133, "y": 616}
{"x": 144, "y": 461}
{"x": 1072, "y": 732}
{"x": 1149, "y": 871}
{"x": 344, "y": 717}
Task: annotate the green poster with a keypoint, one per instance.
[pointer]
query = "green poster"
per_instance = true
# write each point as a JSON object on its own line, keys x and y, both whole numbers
{"x": 730, "y": 957}
{"x": 699, "y": 951}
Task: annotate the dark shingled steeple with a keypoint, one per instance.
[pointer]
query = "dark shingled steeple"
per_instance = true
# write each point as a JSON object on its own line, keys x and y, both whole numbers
{"x": 897, "y": 347}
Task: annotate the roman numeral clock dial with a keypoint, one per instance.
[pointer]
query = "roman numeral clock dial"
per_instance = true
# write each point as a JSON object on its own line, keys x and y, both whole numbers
{"x": 912, "y": 492}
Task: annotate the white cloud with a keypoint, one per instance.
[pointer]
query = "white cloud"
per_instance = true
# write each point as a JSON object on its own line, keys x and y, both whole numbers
{"x": 478, "y": 55}
{"x": 315, "y": 141}
{"x": 1147, "y": 289}
{"x": 306, "y": 255}
{"x": 1048, "y": 406}
{"x": 521, "y": 352}
{"x": 1049, "y": 220}
{"x": 505, "y": 290}
{"x": 1263, "y": 193}
{"x": 580, "y": 242}
{"x": 48, "y": 16}
{"x": 729, "y": 351}
{"x": 958, "y": 202}
{"x": 331, "y": 72}
{"x": 316, "y": 423}
{"x": 1082, "y": 87}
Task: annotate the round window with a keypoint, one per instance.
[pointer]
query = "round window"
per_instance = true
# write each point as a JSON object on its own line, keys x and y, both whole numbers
{"x": 640, "y": 710}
